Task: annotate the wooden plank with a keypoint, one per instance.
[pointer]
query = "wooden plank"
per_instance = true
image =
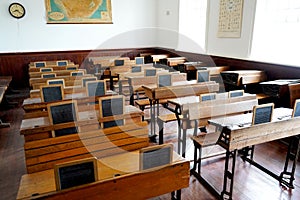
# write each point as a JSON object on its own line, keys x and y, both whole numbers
{"x": 262, "y": 133}
{"x": 126, "y": 186}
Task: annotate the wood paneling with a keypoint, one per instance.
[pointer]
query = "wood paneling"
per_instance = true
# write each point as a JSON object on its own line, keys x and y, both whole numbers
{"x": 16, "y": 64}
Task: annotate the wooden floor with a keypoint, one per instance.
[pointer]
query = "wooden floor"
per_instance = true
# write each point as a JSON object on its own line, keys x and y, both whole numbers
{"x": 250, "y": 183}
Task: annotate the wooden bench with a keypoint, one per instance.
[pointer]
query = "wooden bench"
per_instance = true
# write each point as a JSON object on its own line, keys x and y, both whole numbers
{"x": 44, "y": 154}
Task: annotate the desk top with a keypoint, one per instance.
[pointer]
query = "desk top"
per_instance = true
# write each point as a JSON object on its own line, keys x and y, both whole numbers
{"x": 30, "y": 124}
{"x": 245, "y": 120}
{"x": 125, "y": 165}
{"x": 237, "y": 131}
{"x": 220, "y": 98}
{"x": 180, "y": 89}
{"x": 34, "y": 101}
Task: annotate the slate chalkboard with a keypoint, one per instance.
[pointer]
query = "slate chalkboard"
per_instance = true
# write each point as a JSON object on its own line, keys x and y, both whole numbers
{"x": 208, "y": 97}
{"x": 150, "y": 72}
{"x": 96, "y": 88}
{"x": 61, "y": 63}
{"x": 156, "y": 156}
{"x": 78, "y": 73}
{"x": 84, "y": 80}
{"x": 136, "y": 69}
{"x": 202, "y": 76}
{"x": 235, "y": 93}
{"x": 119, "y": 62}
{"x": 56, "y": 81}
{"x": 46, "y": 70}
{"x": 139, "y": 60}
{"x": 75, "y": 173}
{"x": 51, "y": 93}
{"x": 296, "y": 111}
{"x": 109, "y": 106}
{"x": 63, "y": 112}
{"x": 262, "y": 113}
{"x": 71, "y": 68}
{"x": 52, "y": 75}
{"x": 39, "y": 64}
{"x": 164, "y": 80}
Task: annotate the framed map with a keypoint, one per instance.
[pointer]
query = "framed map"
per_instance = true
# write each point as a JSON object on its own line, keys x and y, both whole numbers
{"x": 78, "y": 11}
{"x": 230, "y": 18}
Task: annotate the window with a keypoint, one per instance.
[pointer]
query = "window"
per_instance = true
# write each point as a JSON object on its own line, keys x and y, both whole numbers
{"x": 192, "y": 25}
{"x": 276, "y": 32}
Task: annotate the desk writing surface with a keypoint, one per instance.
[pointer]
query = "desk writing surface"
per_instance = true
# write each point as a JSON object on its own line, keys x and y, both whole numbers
{"x": 75, "y": 96}
{"x": 124, "y": 164}
{"x": 31, "y": 123}
{"x": 245, "y": 120}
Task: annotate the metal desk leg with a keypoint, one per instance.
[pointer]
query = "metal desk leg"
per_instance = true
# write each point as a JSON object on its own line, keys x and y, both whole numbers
{"x": 229, "y": 175}
{"x": 176, "y": 195}
{"x": 287, "y": 177}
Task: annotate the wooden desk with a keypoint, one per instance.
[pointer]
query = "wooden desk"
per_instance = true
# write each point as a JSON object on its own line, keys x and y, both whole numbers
{"x": 54, "y": 67}
{"x": 180, "y": 89}
{"x": 278, "y": 90}
{"x": 195, "y": 113}
{"x": 237, "y": 133}
{"x": 69, "y": 80}
{"x": 41, "y": 128}
{"x": 4, "y": 84}
{"x": 240, "y": 78}
{"x": 130, "y": 184}
{"x": 34, "y": 104}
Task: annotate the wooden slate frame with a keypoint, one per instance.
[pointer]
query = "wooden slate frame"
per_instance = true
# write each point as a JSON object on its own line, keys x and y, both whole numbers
{"x": 119, "y": 62}
{"x": 89, "y": 164}
{"x": 71, "y": 67}
{"x": 93, "y": 86}
{"x": 202, "y": 76}
{"x": 207, "y": 97}
{"x": 64, "y": 116}
{"x": 296, "y": 110}
{"x": 136, "y": 68}
{"x": 263, "y": 113}
{"x": 164, "y": 80}
{"x": 85, "y": 80}
{"x": 48, "y": 75}
{"x": 39, "y": 64}
{"x": 46, "y": 69}
{"x": 56, "y": 81}
{"x": 158, "y": 156}
{"x": 105, "y": 109}
{"x": 77, "y": 73}
{"x": 55, "y": 89}
{"x": 150, "y": 72}
{"x": 139, "y": 60}
{"x": 235, "y": 93}
{"x": 62, "y": 63}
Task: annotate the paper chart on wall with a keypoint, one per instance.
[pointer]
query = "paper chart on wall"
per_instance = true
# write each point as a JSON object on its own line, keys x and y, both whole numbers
{"x": 230, "y": 18}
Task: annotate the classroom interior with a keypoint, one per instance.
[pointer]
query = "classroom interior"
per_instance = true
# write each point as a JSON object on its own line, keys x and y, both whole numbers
{"x": 204, "y": 65}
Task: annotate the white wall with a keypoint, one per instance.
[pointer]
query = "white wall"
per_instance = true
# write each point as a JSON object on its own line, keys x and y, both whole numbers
{"x": 31, "y": 33}
{"x": 230, "y": 47}
{"x": 167, "y": 16}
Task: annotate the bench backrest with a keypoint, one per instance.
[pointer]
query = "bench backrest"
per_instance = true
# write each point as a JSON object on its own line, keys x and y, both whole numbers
{"x": 206, "y": 110}
{"x": 44, "y": 154}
